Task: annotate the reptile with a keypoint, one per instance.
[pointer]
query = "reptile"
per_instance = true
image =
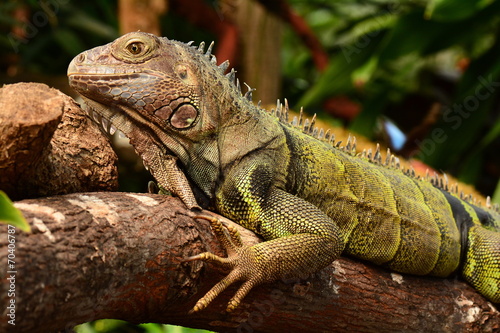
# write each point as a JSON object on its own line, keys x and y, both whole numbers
{"x": 310, "y": 198}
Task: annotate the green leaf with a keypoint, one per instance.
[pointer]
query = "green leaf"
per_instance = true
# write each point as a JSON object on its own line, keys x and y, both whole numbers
{"x": 82, "y": 21}
{"x": 493, "y": 133}
{"x": 338, "y": 77}
{"x": 452, "y": 10}
{"x": 364, "y": 73}
{"x": 410, "y": 34}
{"x": 11, "y": 215}
{"x": 68, "y": 41}
{"x": 496, "y": 195}
{"x": 464, "y": 117}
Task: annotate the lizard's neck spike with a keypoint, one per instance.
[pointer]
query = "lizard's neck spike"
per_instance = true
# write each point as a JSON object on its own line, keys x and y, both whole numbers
{"x": 321, "y": 134}
{"x": 388, "y": 157}
{"x": 201, "y": 47}
{"x": 348, "y": 147}
{"x": 277, "y": 111}
{"x": 209, "y": 50}
{"x": 446, "y": 182}
{"x": 327, "y": 134}
{"x": 305, "y": 128}
{"x": 301, "y": 114}
{"x": 231, "y": 75}
{"x": 286, "y": 113}
{"x": 190, "y": 43}
{"x": 395, "y": 162}
{"x": 369, "y": 154}
{"x": 377, "y": 158}
{"x": 332, "y": 139}
{"x": 238, "y": 87}
{"x": 248, "y": 94}
{"x": 435, "y": 180}
{"x": 353, "y": 146}
{"x": 313, "y": 121}
{"x": 410, "y": 172}
{"x": 223, "y": 67}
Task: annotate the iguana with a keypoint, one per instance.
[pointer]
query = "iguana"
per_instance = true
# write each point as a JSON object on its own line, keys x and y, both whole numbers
{"x": 309, "y": 198}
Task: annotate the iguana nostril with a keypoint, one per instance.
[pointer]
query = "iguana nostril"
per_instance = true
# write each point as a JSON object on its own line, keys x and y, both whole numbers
{"x": 81, "y": 57}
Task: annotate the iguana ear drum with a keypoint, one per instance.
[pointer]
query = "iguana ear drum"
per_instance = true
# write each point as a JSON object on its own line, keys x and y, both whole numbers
{"x": 184, "y": 116}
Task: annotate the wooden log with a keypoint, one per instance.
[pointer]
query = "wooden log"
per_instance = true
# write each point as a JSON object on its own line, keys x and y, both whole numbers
{"x": 49, "y": 146}
{"x": 119, "y": 255}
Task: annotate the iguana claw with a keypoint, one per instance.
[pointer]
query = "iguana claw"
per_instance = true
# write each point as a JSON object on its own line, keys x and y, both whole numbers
{"x": 239, "y": 261}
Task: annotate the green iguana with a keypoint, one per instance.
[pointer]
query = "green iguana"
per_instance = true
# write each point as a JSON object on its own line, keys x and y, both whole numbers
{"x": 309, "y": 198}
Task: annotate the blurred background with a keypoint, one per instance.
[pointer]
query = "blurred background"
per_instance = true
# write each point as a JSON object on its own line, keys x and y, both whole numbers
{"x": 421, "y": 77}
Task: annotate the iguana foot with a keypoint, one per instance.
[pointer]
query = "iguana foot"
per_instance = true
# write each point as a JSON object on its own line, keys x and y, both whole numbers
{"x": 242, "y": 261}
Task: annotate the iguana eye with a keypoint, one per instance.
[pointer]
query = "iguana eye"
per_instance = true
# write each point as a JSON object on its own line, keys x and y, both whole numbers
{"x": 135, "y": 48}
{"x": 182, "y": 72}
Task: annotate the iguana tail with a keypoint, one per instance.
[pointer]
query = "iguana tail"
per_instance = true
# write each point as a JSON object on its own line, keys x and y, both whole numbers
{"x": 482, "y": 263}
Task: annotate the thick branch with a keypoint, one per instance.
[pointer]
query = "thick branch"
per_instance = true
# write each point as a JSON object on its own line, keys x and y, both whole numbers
{"x": 118, "y": 255}
{"x": 49, "y": 146}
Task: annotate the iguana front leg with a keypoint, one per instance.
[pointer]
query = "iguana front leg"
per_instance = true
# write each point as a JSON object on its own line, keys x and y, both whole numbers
{"x": 301, "y": 239}
{"x": 170, "y": 177}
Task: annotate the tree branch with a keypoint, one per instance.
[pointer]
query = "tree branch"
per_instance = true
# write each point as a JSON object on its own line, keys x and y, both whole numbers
{"x": 117, "y": 255}
{"x": 49, "y": 146}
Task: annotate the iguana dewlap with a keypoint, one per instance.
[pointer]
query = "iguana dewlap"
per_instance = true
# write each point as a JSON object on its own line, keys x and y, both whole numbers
{"x": 309, "y": 199}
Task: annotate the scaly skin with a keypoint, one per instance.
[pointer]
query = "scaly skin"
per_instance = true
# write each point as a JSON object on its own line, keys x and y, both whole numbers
{"x": 309, "y": 200}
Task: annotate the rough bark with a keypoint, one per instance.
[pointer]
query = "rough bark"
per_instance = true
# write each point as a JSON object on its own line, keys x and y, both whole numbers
{"x": 118, "y": 255}
{"x": 49, "y": 146}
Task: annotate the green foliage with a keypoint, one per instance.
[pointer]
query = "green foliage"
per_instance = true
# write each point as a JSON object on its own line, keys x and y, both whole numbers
{"x": 496, "y": 195}
{"x": 383, "y": 52}
{"x": 120, "y": 326}
{"x": 11, "y": 215}
{"x": 452, "y": 10}
{"x": 53, "y": 32}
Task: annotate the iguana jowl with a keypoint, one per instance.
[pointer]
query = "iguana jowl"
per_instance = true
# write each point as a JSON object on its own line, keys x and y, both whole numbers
{"x": 309, "y": 199}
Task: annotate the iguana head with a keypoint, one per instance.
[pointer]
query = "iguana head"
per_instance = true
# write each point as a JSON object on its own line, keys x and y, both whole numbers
{"x": 166, "y": 96}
